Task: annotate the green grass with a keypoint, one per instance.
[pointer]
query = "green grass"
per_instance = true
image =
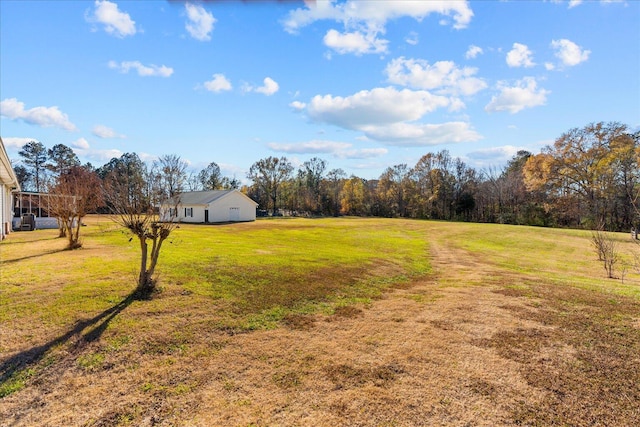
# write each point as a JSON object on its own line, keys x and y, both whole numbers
{"x": 561, "y": 256}
{"x": 262, "y": 271}
{"x": 251, "y": 274}
{"x": 254, "y": 274}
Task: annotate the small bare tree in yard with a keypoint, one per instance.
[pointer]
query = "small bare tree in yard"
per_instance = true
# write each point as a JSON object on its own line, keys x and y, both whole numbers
{"x": 75, "y": 193}
{"x": 134, "y": 212}
{"x": 607, "y": 249}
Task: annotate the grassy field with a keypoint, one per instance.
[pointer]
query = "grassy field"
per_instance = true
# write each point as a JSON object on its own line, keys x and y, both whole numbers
{"x": 372, "y": 322}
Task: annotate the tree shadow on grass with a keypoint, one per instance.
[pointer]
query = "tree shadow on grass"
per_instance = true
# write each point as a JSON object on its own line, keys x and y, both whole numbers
{"x": 96, "y": 325}
{"x": 10, "y": 242}
{"x": 54, "y": 251}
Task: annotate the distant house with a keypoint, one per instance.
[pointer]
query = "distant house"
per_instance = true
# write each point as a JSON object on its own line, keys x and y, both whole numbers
{"x": 8, "y": 184}
{"x": 210, "y": 206}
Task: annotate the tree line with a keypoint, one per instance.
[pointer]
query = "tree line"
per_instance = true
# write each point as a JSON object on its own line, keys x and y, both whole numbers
{"x": 589, "y": 177}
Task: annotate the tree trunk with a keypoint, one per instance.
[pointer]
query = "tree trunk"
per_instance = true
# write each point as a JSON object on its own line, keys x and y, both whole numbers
{"x": 155, "y": 253}
{"x": 62, "y": 228}
{"x": 74, "y": 233}
{"x": 145, "y": 285}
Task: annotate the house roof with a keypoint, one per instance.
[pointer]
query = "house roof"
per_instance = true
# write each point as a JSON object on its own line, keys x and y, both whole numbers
{"x": 206, "y": 197}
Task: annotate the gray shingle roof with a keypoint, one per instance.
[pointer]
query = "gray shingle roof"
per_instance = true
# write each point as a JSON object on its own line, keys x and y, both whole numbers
{"x": 205, "y": 197}
{"x": 202, "y": 197}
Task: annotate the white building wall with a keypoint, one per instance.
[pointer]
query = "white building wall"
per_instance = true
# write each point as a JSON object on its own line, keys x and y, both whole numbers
{"x": 3, "y": 212}
{"x": 6, "y": 211}
{"x": 233, "y": 206}
{"x": 198, "y": 213}
{"x": 221, "y": 209}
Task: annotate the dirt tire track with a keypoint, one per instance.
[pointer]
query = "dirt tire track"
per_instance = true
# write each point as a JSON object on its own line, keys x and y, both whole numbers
{"x": 411, "y": 359}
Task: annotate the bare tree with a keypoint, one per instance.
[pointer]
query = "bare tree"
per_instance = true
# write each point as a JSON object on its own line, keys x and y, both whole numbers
{"x": 76, "y": 193}
{"x": 143, "y": 222}
{"x": 172, "y": 171}
{"x": 607, "y": 249}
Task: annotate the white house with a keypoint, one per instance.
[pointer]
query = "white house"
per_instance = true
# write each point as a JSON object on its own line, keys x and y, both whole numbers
{"x": 211, "y": 206}
{"x": 8, "y": 183}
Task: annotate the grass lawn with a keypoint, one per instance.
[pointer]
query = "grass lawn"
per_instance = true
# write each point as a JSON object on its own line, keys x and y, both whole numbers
{"x": 343, "y": 321}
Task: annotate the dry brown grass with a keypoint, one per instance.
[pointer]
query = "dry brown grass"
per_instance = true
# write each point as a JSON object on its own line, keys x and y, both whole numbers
{"x": 471, "y": 345}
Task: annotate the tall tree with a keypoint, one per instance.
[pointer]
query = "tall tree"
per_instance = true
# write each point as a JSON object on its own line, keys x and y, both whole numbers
{"x": 353, "y": 194}
{"x": 129, "y": 175}
{"x": 210, "y": 177}
{"x": 393, "y": 187}
{"x": 61, "y": 159}
{"x": 581, "y": 172}
{"x": 434, "y": 180}
{"x": 34, "y": 156}
{"x": 24, "y": 176}
{"x": 333, "y": 184}
{"x": 173, "y": 175}
{"x": 230, "y": 183}
{"x": 267, "y": 175}
{"x": 310, "y": 177}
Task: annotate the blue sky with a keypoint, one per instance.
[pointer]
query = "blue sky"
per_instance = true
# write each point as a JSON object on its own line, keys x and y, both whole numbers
{"x": 362, "y": 84}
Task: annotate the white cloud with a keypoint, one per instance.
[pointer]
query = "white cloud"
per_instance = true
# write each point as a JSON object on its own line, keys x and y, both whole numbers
{"x": 421, "y": 134}
{"x": 520, "y": 56}
{"x": 492, "y": 156}
{"x": 569, "y": 53}
{"x": 355, "y": 42}
{"x": 218, "y": 84}
{"x": 389, "y": 115}
{"x": 310, "y": 147}
{"x": 104, "y": 155}
{"x": 297, "y": 105}
{"x": 412, "y": 38}
{"x": 13, "y": 142}
{"x": 380, "y": 105}
{"x": 268, "y": 88}
{"x": 473, "y": 52}
{"x": 504, "y": 152}
{"x": 342, "y": 150}
{"x": 81, "y": 144}
{"x": 363, "y": 21}
{"x": 82, "y": 148}
{"x": 443, "y": 76}
{"x": 574, "y": 3}
{"x": 362, "y": 153}
{"x": 525, "y": 94}
{"x": 143, "y": 70}
{"x": 200, "y": 22}
{"x": 13, "y": 109}
{"x": 115, "y": 22}
{"x": 102, "y": 131}
{"x": 358, "y": 12}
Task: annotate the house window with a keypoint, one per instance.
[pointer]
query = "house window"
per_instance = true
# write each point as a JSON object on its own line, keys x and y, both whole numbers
{"x": 173, "y": 212}
{"x": 188, "y": 212}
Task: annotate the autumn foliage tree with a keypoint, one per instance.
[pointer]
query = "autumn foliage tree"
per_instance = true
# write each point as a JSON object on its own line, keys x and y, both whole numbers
{"x": 268, "y": 176}
{"x": 586, "y": 175}
{"x": 75, "y": 193}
